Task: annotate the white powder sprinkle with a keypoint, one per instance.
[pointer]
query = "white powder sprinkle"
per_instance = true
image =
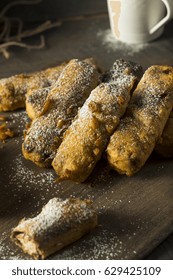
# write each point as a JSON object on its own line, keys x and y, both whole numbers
{"x": 97, "y": 248}
{"x": 6, "y": 252}
{"x": 112, "y": 44}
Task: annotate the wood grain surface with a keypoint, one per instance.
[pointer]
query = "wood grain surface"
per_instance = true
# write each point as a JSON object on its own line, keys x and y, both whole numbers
{"x": 135, "y": 214}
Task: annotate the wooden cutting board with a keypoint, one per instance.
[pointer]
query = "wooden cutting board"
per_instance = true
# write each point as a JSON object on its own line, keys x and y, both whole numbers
{"x": 135, "y": 213}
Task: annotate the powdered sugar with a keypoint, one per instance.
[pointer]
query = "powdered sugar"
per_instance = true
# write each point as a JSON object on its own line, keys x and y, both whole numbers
{"x": 58, "y": 216}
{"x": 6, "y": 252}
{"x": 101, "y": 245}
{"x": 112, "y": 44}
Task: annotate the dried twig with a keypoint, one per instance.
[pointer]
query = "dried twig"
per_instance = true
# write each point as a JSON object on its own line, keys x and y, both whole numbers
{"x": 23, "y": 45}
{"x": 39, "y": 29}
{"x": 5, "y": 53}
{"x": 7, "y": 40}
{"x": 4, "y": 46}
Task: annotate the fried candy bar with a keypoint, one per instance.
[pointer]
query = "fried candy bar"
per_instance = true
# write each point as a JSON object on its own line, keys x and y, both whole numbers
{"x": 60, "y": 223}
{"x": 88, "y": 135}
{"x": 164, "y": 146}
{"x": 144, "y": 121}
{"x": 35, "y": 99}
{"x": 71, "y": 90}
{"x": 13, "y": 90}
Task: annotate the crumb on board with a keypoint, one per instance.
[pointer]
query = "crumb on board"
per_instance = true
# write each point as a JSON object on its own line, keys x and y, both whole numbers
{"x": 3, "y": 118}
{"x": 5, "y": 132}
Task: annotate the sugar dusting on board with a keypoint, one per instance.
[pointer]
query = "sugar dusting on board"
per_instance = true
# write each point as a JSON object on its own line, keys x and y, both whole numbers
{"x": 22, "y": 175}
{"x": 96, "y": 247}
{"x": 112, "y": 44}
{"x": 6, "y": 251}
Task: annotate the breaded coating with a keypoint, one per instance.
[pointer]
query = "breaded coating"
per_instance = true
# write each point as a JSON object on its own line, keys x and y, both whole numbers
{"x": 144, "y": 121}
{"x": 5, "y": 132}
{"x": 164, "y": 146}
{"x": 13, "y": 90}
{"x": 45, "y": 134}
{"x": 35, "y": 99}
{"x": 60, "y": 223}
{"x": 87, "y": 137}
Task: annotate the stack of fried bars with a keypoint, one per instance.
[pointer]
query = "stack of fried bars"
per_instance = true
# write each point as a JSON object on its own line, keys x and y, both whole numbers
{"x": 78, "y": 114}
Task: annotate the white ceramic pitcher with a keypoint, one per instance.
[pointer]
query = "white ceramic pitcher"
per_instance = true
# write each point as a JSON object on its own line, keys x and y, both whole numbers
{"x": 139, "y": 21}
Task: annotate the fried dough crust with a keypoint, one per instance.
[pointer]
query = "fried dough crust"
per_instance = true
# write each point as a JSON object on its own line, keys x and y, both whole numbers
{"x": 144, "y": 121}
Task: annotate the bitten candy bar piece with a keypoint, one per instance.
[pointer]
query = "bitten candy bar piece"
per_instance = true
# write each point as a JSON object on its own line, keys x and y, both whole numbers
{"x": 60, "y": 223}
{"x": 144, "y": 121}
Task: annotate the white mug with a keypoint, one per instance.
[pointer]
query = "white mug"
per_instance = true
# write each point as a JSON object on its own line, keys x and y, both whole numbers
{"x": 139, "y": 21}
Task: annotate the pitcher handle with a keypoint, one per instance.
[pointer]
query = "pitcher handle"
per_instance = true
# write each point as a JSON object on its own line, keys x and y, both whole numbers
{"x": 163, "y": 20}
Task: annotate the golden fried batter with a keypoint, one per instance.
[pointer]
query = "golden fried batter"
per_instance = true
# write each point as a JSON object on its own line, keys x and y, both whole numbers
{"x": 35, "y": 99}
{"x": 13, "y": 90}
{"x": 71, "y": 90}
{"x": 87, "y": 137}
{"x": 5, "y": 132}
{"x": 164, "y": 146}
{"x": 144, "y": 121}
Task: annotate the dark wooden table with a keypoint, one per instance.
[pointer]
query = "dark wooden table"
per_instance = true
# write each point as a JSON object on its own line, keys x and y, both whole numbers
{"x": 85, "y": 32}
